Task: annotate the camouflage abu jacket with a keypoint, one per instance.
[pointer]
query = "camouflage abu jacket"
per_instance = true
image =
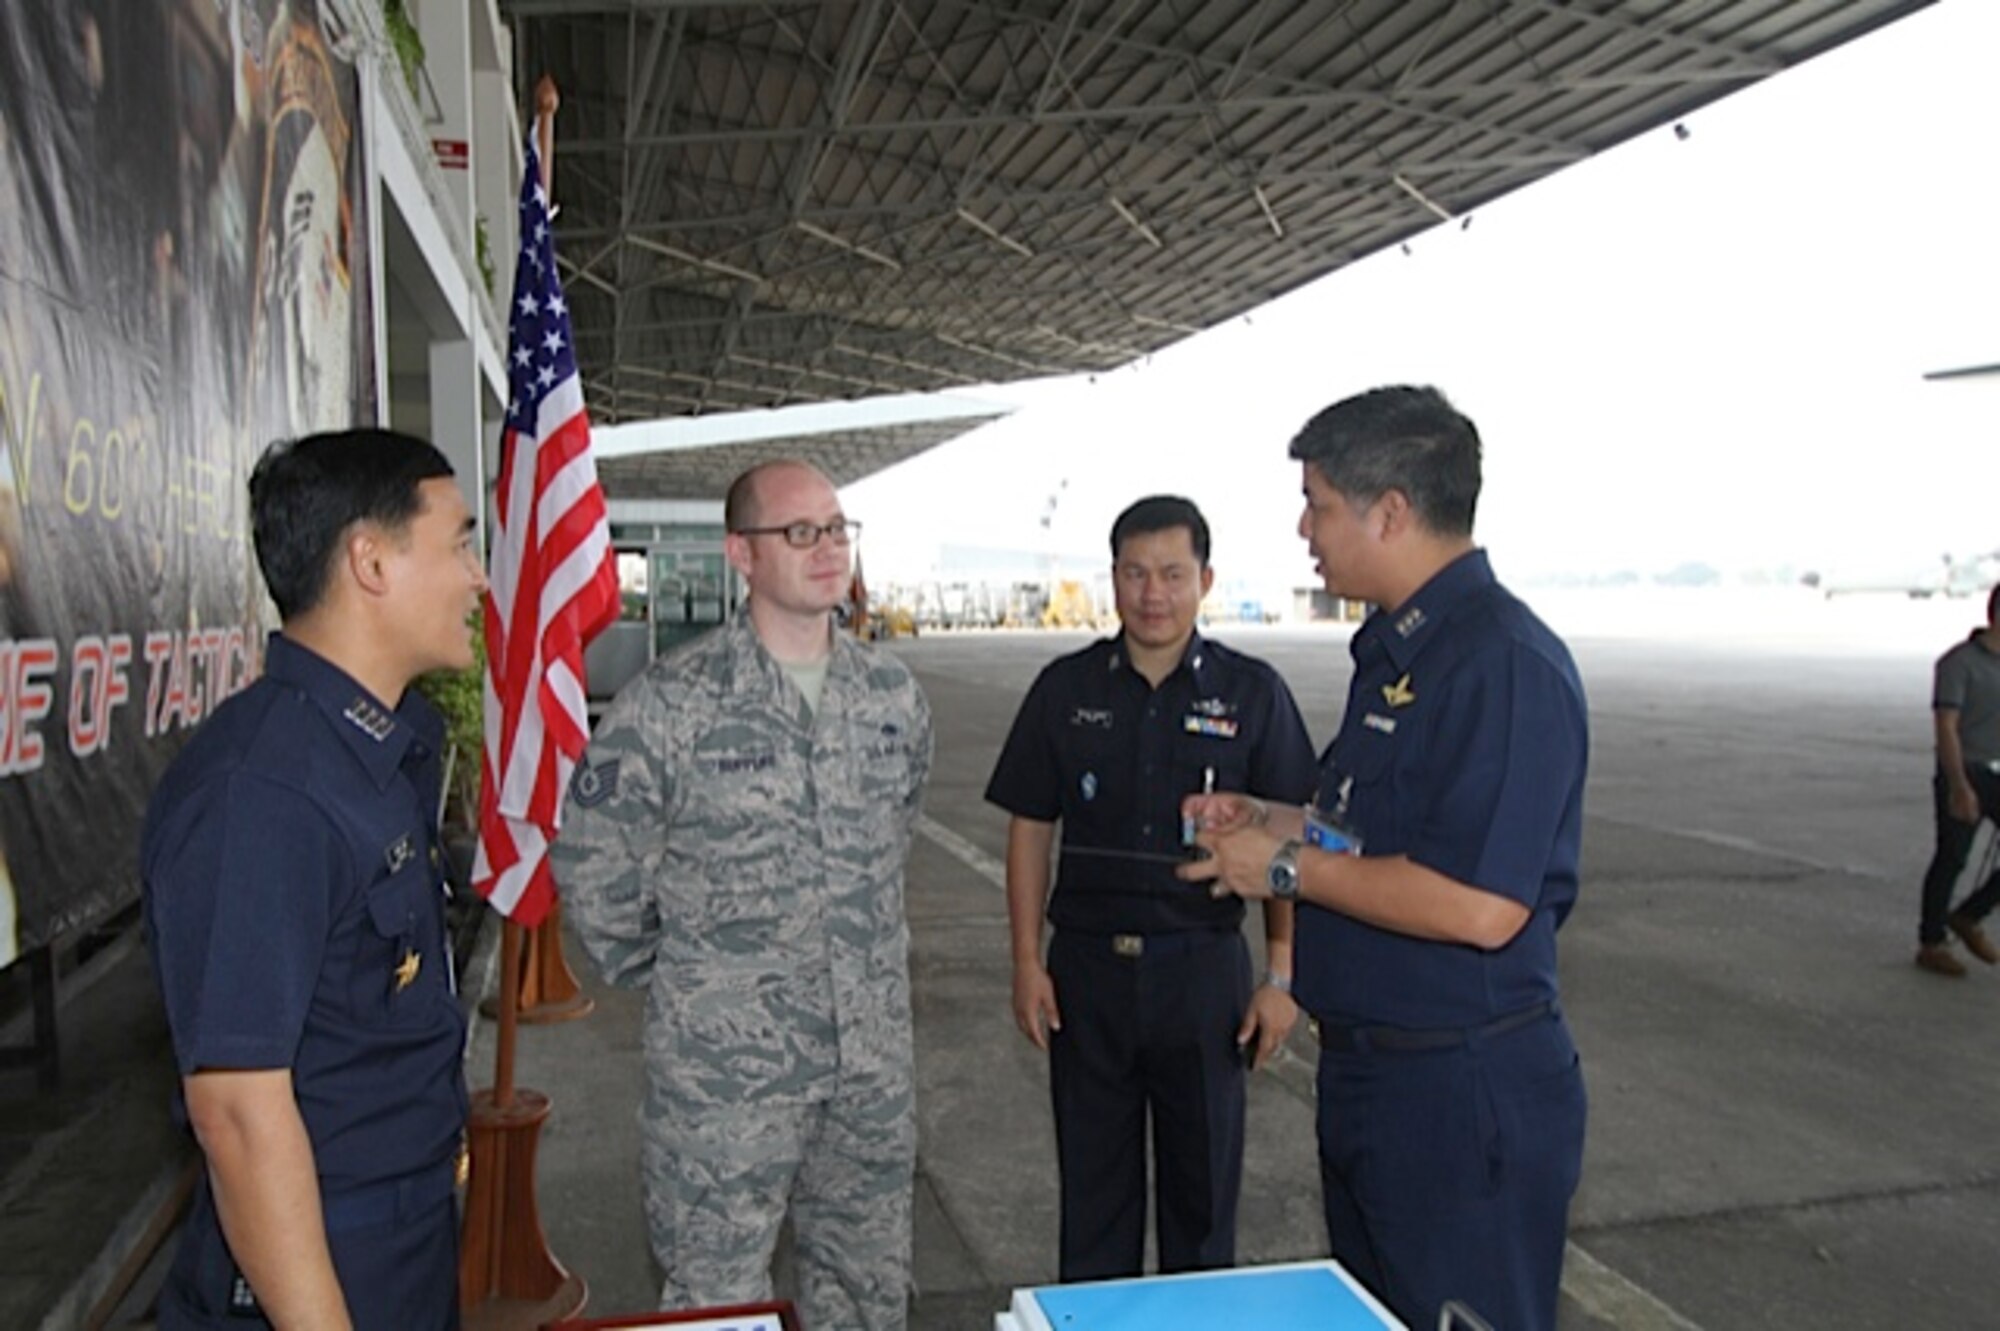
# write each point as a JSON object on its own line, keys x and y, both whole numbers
{"x": 743, "y": 856}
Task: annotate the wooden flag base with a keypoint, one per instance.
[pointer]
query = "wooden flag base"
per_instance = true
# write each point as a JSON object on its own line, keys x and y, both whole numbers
{"x": 507, "y": 1277}
{"x": 545, "y": 990}
{"x": 527, "y": 1314}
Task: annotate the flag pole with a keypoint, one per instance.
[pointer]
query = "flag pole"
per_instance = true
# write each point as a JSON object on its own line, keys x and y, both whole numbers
{"x": 540, "y": 985}
{"x": 543, "y": 989}
{"x": 503, "y": 1051}
{"x": 508, "y": 1280}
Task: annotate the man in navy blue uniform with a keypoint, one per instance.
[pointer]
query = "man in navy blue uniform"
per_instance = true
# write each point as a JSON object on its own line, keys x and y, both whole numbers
{"x": 1431, "y": 874}
{"x": 1146, "y": 1004}
{"x": 294, "y": 906}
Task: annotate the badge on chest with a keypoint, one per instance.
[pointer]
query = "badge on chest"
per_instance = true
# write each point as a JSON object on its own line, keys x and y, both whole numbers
{"x": 1211, "y": 717}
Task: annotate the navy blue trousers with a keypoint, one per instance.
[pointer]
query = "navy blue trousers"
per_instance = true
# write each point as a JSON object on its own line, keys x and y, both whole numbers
{"x": 1447, "y": 1174}
{"x": 398, "y": 1272}
{"x": 1148, "y": 1038}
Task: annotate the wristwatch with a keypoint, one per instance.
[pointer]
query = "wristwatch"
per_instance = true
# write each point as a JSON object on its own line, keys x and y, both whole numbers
{"x": 1283, "y": 874}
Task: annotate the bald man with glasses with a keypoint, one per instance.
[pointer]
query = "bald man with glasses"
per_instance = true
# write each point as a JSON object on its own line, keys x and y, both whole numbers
{"x": 734, "y": 842}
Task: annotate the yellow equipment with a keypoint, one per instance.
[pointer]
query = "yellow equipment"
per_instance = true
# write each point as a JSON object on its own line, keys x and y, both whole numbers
{"x": 1069, "y": 607}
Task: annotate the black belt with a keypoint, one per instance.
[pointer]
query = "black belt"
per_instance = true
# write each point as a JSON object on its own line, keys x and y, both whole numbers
{"x": 1361, "y": 1039}
{"x": 1134, "y": 946}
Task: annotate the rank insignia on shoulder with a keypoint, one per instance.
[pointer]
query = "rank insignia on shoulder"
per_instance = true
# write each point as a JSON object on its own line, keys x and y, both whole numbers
{"x": 370, "y": 720}
{"x": 1412, "y": 620}
{"x": 1399, "y": 694}
{"x": 400, "y": 852}
{"x": 407, "y": 968}
{"x": 592, "y": 786}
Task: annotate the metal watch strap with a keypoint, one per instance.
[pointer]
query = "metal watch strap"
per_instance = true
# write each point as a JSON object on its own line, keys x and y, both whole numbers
{"x": 1282, "y": 874}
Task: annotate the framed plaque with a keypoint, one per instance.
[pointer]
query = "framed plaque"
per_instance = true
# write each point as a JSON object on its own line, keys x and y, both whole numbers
{"x": 777, "y": 1316}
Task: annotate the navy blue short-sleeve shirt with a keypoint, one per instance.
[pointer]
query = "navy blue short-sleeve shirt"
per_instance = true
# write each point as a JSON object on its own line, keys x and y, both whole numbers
{"x": 1098, "y": 748}
{"x": 1463, "y": 746}
{"x": 294, "y": 906}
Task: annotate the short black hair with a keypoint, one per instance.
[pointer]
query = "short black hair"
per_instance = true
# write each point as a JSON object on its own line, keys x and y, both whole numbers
{"x": 305, "y": 493}
{"x": 1162, "y": 513}
{"x": 1402, "y": 438}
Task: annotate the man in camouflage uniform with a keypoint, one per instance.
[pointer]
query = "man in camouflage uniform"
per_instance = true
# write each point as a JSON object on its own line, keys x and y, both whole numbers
{"x": 735, "y": 841}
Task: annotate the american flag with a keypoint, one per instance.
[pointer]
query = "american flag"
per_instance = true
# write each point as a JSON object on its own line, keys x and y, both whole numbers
{"x": 552, "y": 584}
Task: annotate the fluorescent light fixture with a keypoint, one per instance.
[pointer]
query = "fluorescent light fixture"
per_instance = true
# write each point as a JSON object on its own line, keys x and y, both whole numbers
{"x": 1277, "y": 227}
{"x": 1444, "y": 214}
{"x": 842, "y": 243}
{"x": 694, "y": 260}
{"x": 981, "y": 225}
{"x": 1118, "y": 206}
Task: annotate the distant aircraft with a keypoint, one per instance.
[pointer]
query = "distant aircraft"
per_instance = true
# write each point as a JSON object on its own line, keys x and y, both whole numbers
{"x": 1952, "y": 575}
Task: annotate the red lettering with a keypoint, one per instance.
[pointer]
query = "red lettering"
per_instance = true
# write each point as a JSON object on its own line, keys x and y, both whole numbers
{"x": 25, "y": 698}
{"x": 97, "y": 688}
{"x": 236, "y": 658}
{"x": 215, "y": 648}
{"x": 86, "y": 666}
{"x": 159, "y": 647}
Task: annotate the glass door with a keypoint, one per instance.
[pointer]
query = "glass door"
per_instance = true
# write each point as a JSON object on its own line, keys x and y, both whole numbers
{"x": 691, "y": 594}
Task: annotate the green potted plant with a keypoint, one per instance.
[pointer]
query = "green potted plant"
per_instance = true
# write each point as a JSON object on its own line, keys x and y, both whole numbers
{"x": 483, "y": 251}
{"x": 461, "y": 696}
{"x": 409, "y": 43}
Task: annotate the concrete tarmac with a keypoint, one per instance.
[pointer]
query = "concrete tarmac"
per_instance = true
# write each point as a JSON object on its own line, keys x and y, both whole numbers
{"x": 1790, "y": 1124}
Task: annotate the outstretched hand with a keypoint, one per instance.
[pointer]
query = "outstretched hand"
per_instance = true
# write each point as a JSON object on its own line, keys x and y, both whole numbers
{"x": 1237, "y": 861}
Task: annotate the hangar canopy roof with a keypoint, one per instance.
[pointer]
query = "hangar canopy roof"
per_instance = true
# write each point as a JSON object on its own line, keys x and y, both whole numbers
{"x": 684, "y": 458}
{"x": 766, "y": 203}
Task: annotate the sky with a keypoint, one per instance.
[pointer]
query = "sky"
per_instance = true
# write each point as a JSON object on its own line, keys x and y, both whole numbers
{"x": 1707, "y": 349}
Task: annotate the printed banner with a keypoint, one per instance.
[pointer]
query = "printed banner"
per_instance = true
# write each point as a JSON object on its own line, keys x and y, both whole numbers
{"x": 183, "y": 278}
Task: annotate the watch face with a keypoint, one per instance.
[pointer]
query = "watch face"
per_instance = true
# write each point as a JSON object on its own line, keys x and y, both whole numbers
{"x": 1283, "y": 874}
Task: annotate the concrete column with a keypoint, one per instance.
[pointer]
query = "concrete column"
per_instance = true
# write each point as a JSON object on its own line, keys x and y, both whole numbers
{"x": 446, "y": 27}
{"x": 496, "y": 174}
{"x": 455, "y": 426}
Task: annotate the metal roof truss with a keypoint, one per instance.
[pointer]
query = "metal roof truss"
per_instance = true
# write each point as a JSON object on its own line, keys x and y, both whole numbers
{"x": 765, "y": 203}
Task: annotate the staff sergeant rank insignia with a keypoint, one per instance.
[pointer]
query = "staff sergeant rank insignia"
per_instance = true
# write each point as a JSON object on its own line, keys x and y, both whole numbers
{"x": 592, "y": 786}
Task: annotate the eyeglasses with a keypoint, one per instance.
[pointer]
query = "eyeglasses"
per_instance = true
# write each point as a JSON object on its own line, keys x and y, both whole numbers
{"x": 805, "y": 535}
